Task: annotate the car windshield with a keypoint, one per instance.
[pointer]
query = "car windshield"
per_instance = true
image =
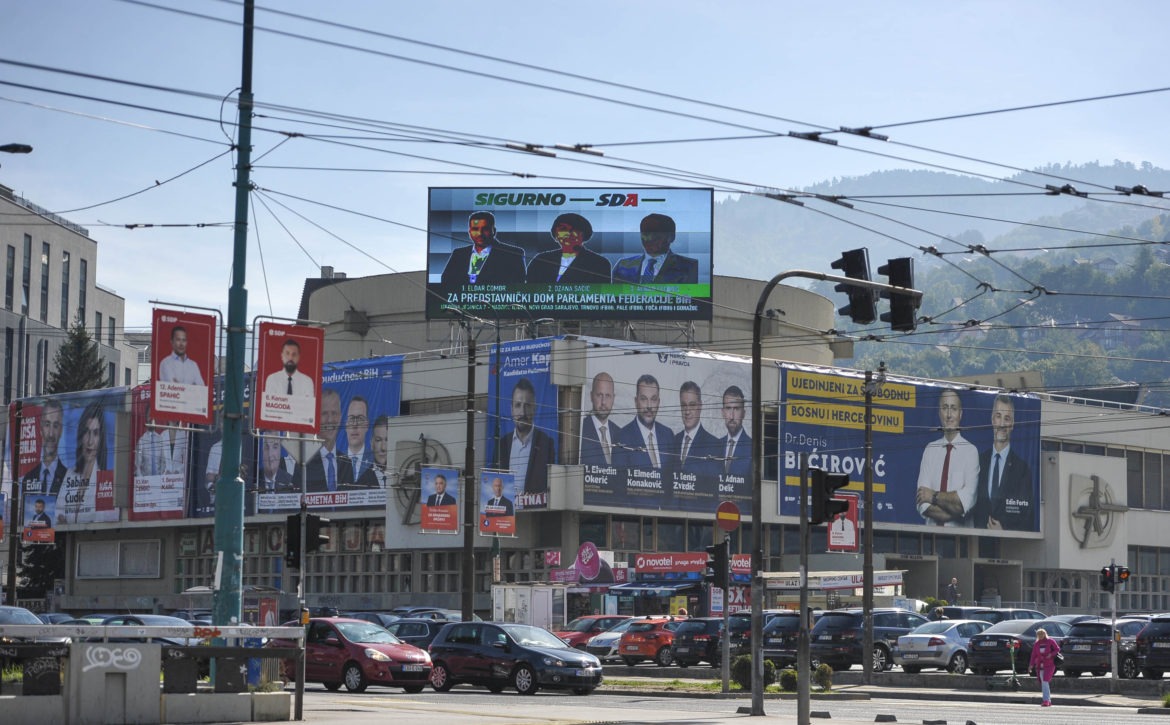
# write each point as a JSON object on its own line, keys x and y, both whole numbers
{"x": 1089, "y": 629}
{"x": 620, "y": 627}
{"x": 643, "y": 627}
{"x": 740, "y": 624}
{"x": 782, "y": 623}
{"x": 1010, "y": 626}
{"x": 580, "y": 624}
{"x": 366, "y": 633}
{"x": 534, "y": 636}
{"x": 18, "y": 616}
{"x": 692, "y": 627}
{"x": 932, "y": 628}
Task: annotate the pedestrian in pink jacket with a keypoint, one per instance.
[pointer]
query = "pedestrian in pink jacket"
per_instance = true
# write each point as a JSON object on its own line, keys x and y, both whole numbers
{"x": 1043, "y": 663}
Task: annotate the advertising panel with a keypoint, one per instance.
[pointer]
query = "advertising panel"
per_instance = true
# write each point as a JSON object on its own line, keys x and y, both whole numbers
{"x": 183, "y": 364}
{"x": 943, "y": 456}
{"x": 38, "y": 519}
{"x": 570, "y": 253}
{"x": 440, "y": 507}
{"x": 526, "y": 415}
{"x": 288, "y": 378}
{"x": 66, "y": 455}
{"x": 497, "y": 512}
{"x": 665, "y": 430}
{"x": 162, "y": 463}
{"x": 351, "y": 467}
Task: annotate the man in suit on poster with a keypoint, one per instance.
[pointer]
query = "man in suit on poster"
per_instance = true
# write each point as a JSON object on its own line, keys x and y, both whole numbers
{"x": 527, "y": 451}
{"x": 46, "y": 477}
{"x": 357, "y": 425}
{"x": 1006, "y": 497}
{"x": 599, "y": 434}
{"x": 440, "y": 497}
{"x": 735, "y": 447}
{"x": 699, "y": 452}
{"x": 486, "y": 260}
{"x": 178, "y": 367}
{"x": 498, "y": 504}
{"x": 646, "y": 444}
{"x": 658, "y": 265}
{"x": 328, "y": 469}
{"x": 948, "y": 475}
{"x": 377, "y": 475}
{"x": 289, "y": 380}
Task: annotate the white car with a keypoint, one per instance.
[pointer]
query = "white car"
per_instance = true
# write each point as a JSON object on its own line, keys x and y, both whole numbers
{"x": 605, "y": 645}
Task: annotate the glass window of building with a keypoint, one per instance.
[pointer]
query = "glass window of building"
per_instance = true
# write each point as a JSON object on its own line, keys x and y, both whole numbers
{"x": 44, "y": 281}
{"x": 64, "y": 290}
{"x": 10, "y": 278}
{"x": 82, "y": 281}
{"x": 26, "y": 275}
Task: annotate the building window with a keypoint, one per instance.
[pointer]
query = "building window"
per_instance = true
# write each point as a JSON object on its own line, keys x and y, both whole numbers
{"x": 113, "y": 324}
{"x": 64, "y": 290}
{"x": 9, "y": 355}
{"x": 10, "y": 278}
{"x": 82, "y": 281}
{"x": 119, "y": 559}
{"x": 26, "y": 276}
{"x": 45, "y": 282}
{"x": 126, "y": 377}
{"x": 113, "y": 368}
{"x": 97, "y": 326}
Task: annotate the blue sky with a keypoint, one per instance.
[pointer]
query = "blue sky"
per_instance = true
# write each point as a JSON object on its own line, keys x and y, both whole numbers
{"x": 846, "y": 64}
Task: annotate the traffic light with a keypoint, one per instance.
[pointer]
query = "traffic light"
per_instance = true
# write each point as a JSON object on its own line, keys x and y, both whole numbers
{"x": 292, "y": 541}
{"x": 822, "y": 486}
{"x": 862, "y": 307}
{"x": 903, "y": 314}
{"x": 1107, "y": 578}
{"x": 315, "y": 538}
{"x": 718, "y": 564}
{"x": 1122, "y": 575}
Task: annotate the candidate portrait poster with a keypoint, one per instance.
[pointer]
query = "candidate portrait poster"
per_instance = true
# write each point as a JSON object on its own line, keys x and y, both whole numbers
{"x": 526, "y": 418}
{"x": 286, "y": 394}
{"x": 497, "y": 508}
{"x": 38, "y": 519}
{"x": 944, "y": 457}
{"x": 570, "y": 253}
{"x": 161, "y": 456}
{"x": 665, "y": 429}
{"x": 440, "y": 500}
{"x": 206, "y": 456}
{"x": 182, "y": 366}
{"x": 67, "y": 452}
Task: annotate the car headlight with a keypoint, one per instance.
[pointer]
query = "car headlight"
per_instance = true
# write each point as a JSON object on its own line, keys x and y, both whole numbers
{"x": 376, "y": 655}
{"x": 553, "y": 662}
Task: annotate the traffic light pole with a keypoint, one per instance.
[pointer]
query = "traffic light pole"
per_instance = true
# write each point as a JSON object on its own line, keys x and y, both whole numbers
{"x": 803, "y": 643}
{"x": 725, "y": 654}
{"x": 757, "y": 581}
{"x": 1113, "y": 627}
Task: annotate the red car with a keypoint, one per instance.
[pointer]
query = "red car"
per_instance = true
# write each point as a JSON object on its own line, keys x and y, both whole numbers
{"x": 650, "y": 639}
{"x": 583, "y": 629}
{"x": 358, "y": 654}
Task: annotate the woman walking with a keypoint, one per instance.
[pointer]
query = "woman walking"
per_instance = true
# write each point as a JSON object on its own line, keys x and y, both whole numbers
{"x": 1043, "y": 663}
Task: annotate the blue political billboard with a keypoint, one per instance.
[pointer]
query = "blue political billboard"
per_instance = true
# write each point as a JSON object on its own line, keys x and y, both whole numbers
{"x": 522, "y": 421}
{"x": 944, "y": 456}
{"x": 570, "y": 253}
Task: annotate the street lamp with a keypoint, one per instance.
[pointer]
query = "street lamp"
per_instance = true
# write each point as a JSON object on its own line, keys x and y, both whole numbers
{"x": 757, "y": 584}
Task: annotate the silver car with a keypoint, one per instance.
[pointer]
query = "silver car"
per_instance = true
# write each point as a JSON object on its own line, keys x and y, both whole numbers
{"x": 941, "y": 644}
{"x": 605, "y": 645}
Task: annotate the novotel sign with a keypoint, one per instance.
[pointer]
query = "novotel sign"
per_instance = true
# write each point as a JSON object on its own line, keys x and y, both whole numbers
{"x": 670, "y": 562}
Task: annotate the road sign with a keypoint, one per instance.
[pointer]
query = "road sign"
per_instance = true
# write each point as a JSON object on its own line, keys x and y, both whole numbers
{"x": 727, "y": 516}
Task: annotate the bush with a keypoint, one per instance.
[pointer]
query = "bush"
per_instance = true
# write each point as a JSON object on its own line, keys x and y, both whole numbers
{"x": 788, "y": 680}
{"x": 823, "y": 677}
{"x": 1166, "y": 700}
{"x": 741, "y": 672}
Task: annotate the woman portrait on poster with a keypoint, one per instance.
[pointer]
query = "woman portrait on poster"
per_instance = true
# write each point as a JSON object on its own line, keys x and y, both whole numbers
{"x": 79, "y": 504}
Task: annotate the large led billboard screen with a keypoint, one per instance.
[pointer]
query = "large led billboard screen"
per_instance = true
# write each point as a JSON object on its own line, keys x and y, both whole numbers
{"x": 943, "y": 456}
{"x": 570, "y": 253}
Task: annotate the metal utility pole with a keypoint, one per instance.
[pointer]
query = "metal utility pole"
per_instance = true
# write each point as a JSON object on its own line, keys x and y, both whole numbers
{"x": 229, "y": 488}
{"x": 14, "y": 506}
{"x": 803, "y": 643}
{"x": 871, "y": 387}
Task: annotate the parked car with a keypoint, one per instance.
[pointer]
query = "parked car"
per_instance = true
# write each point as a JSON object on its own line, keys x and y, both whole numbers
{"x": 1006, "y": 613}
{"x": 419, "y": 632}
{"x": 942, "y": 644}
{"x": 1152, "y": 646}
{"x": 192, "y": 614}
{"x": 358, "y": 654}
{"x": 950, "y": 611}
{"x": 700, "y": 639}
{"x": 607, "y": 645}
{"x": 498, "y": 654}
{"x": 446, "y": 615}
{"x": 54, "y": 617}
{"x": 1073, "y": 618}
{"x": 780, "y": 637}
{"x": 149, "y": 620}
{"x": 838, "y": 637}
{"x": 1088, "y": 647}
{"x": 650, "y": 639}
{"x": 379, "y": 618}
{"x": 991, "y": 650}
{"x": 582, "y": 629}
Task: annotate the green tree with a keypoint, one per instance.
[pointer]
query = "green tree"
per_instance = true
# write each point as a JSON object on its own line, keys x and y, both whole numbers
{"x": 77, "y": 364}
